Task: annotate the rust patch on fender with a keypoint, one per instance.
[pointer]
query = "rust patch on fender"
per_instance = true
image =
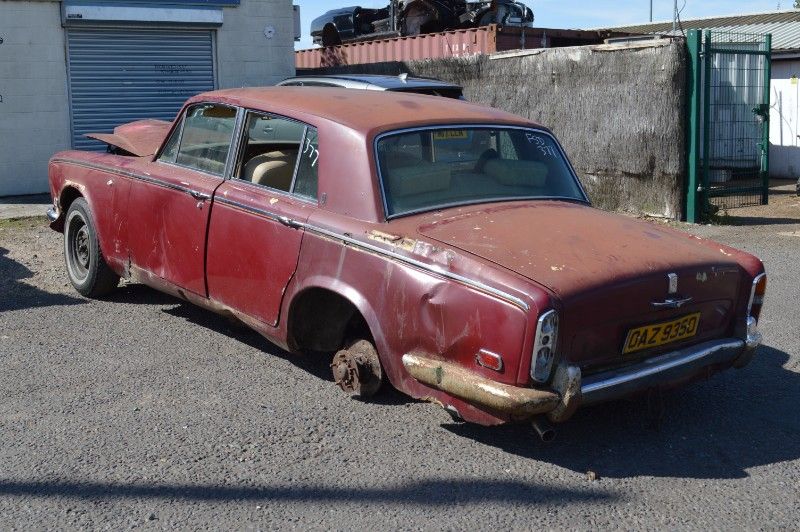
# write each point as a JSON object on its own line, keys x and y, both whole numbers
{"x": 393, "y": 240}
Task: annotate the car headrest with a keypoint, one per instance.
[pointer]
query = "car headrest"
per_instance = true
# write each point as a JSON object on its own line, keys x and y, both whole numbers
{"x": 517, "y": 173}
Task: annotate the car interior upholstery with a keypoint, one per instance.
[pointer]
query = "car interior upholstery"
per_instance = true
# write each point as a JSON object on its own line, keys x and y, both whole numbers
{"x": 273, "y": 169}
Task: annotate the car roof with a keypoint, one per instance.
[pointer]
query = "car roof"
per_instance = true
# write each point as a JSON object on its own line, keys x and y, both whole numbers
{"x": 383, "y": 81}
{"x": 363, "y": 111}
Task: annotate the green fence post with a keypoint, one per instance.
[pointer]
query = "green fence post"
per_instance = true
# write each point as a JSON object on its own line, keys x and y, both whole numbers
{"x": 765, "y": 127}
{"x": 694, "y": 78}
{"x": 707, "y": 57}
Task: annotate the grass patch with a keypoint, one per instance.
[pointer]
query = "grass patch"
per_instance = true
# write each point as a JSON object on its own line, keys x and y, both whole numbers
{"x": 27, "y": 222}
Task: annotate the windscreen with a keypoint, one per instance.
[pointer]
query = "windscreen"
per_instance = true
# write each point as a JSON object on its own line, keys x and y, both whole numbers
{"x": 435, "y": 168}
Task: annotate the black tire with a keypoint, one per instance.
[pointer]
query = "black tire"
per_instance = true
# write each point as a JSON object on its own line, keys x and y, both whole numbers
{"x": 86, "y": 268}
{"x": 330, "y": 36}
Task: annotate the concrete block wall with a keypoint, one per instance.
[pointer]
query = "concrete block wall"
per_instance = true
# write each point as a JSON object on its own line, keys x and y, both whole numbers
{"x": 618, "y": 110}
{"x": 34, "y": 112}
{"x": 246, "y": 57}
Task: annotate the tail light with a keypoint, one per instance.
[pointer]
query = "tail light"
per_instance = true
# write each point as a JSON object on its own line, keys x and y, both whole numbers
{"x": 544, "y": 347}
{"x": 757, "y": 296}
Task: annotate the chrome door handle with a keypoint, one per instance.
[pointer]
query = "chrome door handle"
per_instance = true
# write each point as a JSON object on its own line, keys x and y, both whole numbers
{"x": 672, "y": 303}
{"x": 196, "y": 194}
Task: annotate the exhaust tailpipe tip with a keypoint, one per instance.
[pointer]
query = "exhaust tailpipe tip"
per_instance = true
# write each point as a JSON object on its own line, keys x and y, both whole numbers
{"x": 544, "y": 430}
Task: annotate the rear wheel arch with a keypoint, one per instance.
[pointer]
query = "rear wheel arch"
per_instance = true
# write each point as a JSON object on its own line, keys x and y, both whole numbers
{"x": 321, "y": 319}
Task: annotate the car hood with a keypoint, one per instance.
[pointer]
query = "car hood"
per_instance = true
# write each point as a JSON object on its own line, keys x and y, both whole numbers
{"x": 570, "y": 248}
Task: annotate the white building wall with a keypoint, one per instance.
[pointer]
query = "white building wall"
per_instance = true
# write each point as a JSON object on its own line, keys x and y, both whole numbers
{"x": 785, "y": 119}
{"x": 34, "y": 113}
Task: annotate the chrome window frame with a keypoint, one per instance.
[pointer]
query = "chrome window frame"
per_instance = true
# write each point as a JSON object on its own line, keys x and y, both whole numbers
{"x": 396, "y": 132}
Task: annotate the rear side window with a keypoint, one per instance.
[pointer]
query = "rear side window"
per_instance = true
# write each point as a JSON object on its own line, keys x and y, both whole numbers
{"x": 204, "y": 140}
{"x": 280, "y": 154}
{"x": 307, "y": 178}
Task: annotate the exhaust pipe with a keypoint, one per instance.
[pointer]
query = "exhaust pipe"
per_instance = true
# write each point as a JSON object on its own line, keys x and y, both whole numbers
{"x": 543, "y": 429}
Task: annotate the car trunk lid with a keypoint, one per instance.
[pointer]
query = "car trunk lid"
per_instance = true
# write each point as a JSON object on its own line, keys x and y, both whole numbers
{"x": 606, "y": 270}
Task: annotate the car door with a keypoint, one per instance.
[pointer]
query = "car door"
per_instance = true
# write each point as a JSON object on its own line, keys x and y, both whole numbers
{"x": 255, "y": 230}
{"x": 170, "y": 203}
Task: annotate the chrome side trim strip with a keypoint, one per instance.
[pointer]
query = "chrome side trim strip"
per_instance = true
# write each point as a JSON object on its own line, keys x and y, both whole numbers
{"x": 132, "y": 175}
{"x": 422, "y": 266}
{"x": 285, "y": 220}
{"x": 477, "y": 285}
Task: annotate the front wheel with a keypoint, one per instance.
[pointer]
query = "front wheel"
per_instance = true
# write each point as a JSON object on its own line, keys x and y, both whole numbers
{"x": 86, "y": 268}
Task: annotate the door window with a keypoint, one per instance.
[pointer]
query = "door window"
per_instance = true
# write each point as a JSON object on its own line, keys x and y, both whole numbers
{"x": 204, "y": 140}
{"x": 275, "y": 150}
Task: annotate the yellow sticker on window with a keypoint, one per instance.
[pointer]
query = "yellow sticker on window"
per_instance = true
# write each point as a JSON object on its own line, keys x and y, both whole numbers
{"x": 450, "y": 134}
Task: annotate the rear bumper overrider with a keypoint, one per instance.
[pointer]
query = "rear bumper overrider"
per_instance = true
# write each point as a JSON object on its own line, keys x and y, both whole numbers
{"x": 570, "y": 390}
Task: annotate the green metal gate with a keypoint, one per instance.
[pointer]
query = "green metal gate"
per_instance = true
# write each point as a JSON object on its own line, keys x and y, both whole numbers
{"x": 728, "y": 137}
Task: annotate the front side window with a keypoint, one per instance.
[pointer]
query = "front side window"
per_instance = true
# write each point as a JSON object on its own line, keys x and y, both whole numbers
{"x": 204, "y": 140}
{"x": 435, "y": 168}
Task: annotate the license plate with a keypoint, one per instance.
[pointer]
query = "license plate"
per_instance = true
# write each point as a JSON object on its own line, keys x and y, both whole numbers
{"x": 651, "y": 336}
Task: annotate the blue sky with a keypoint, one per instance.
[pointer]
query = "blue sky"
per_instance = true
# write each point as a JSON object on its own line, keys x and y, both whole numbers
{"x": 579, "y": 14}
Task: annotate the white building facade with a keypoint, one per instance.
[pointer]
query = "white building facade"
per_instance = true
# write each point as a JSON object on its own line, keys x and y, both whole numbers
{"x": 72, "y": 67}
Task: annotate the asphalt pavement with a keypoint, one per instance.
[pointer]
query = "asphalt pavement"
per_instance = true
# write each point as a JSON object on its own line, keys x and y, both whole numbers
{"x": 142, "y": 411}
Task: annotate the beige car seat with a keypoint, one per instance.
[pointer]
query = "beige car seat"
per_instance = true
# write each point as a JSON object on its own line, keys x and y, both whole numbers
{"x": 274, "y": 169}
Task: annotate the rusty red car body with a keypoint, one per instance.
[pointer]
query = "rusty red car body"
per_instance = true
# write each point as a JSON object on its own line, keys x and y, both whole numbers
{"x": 452, "y": 298}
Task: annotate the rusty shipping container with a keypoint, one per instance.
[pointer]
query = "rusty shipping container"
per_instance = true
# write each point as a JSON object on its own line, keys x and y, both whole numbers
{"x": 455, "y": 43}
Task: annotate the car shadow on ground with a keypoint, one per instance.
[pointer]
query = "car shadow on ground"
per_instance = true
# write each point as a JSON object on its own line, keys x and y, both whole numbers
{"x": 139, "y": 294}
{"x": 427, "y": 493}
{"x": 716, "y": 429}
{"x": 313, "y": 363}
{"x": 18, "y": 295}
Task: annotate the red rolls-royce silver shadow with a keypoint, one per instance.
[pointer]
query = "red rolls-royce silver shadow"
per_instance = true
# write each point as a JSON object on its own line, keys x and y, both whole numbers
{"x": 444, "y": 248}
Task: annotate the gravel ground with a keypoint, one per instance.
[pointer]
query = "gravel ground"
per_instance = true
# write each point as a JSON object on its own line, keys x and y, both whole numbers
{"x": 142, "y": 411}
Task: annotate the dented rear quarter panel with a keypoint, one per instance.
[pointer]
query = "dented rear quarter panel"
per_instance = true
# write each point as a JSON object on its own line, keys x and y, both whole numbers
{"x": 409, "y": 309}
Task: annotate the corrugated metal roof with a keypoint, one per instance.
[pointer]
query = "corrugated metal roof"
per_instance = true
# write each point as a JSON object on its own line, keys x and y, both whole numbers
{"x": 783, "y": 25}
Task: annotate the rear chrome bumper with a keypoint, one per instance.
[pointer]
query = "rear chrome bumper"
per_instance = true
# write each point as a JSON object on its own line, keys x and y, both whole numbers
{"x": 52, "y": 214}
{"x": 570, "y": 390}
{"x": 672, "y": 367}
